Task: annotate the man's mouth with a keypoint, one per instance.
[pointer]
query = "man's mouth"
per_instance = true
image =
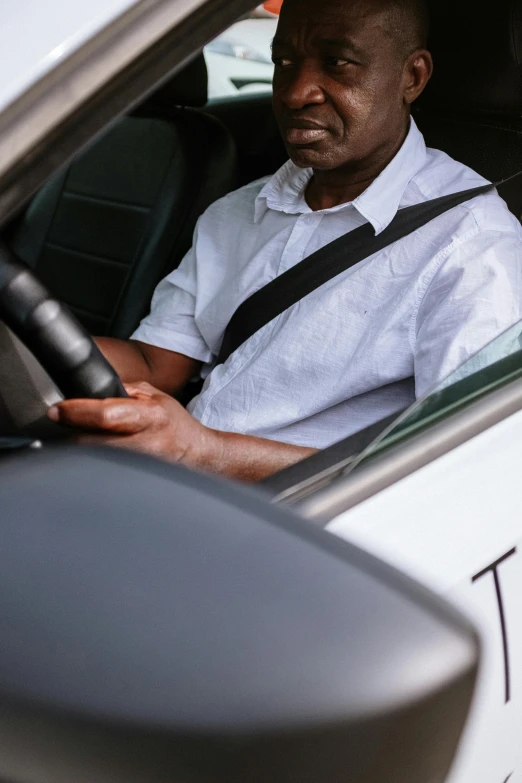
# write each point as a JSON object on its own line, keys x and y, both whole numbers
{"x": 301, "y": 132}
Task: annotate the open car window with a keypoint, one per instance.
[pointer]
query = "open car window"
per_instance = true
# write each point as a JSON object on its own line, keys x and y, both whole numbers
{"x": 496, "y": 365}
{"x": 239, "y": 60}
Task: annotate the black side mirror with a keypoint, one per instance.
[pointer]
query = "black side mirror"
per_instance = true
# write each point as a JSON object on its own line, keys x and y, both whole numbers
{"x": 160, "y": 625}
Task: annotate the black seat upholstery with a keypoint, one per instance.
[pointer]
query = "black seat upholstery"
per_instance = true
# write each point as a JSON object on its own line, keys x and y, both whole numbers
{"x": 105, "y": 230}
{"x": 472, "y": 108}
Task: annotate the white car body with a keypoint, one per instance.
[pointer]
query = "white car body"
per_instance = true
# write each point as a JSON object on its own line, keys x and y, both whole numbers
{"x": 444, "y": 523}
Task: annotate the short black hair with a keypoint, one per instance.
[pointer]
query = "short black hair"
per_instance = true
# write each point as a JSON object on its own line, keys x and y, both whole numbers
{"x": 409, "y": 24}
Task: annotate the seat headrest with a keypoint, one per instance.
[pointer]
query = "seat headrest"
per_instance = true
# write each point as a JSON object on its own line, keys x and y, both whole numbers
{"x": 189, "y": 87}
{"x": 477, "y": 50}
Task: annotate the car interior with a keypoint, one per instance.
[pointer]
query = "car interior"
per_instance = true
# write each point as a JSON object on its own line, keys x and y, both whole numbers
{"x": 104, "y": 231}
{"x": 107, "y": 228}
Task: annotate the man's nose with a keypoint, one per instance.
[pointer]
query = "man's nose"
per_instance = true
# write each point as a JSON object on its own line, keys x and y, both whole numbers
{"x": 299, "y": 87}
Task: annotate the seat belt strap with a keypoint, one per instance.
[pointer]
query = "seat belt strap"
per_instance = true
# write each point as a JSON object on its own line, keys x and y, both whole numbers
{"x": 327, "y": 263}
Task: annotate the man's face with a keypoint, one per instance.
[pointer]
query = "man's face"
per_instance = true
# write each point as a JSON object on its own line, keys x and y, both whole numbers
{"x": 339, "y": 83}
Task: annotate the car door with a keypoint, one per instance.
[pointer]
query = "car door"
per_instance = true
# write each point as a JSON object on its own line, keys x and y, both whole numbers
{"x": 438, "y": 495}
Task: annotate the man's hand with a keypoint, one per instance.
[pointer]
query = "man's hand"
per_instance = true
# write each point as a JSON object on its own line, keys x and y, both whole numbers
{"x": 148, "y": 421}
{"x": 154, "y": 423}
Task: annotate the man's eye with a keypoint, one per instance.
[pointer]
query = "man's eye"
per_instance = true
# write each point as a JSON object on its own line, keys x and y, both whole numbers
{"x": 337, "y": 62}
{"x": 281, "y": 62}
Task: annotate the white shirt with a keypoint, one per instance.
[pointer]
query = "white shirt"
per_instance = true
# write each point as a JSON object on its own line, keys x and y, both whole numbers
{"x": 345, "y": 355}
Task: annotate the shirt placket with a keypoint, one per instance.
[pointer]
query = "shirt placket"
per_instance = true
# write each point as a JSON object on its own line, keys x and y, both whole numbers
{"x": 295, "y": 249}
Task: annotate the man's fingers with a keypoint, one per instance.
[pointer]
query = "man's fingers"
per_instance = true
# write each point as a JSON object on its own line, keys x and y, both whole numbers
{"x": 145, "y": 408}
{"x": 140, "y": 389}
{"x": 121, "y": 416}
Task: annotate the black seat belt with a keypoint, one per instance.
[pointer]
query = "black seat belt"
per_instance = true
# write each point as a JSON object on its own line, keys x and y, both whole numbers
{"x": 314, "y": 271}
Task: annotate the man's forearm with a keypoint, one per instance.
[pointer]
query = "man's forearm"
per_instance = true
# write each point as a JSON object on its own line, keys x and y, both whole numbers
{"x": 127, "y": 358}
{"x": 134, "y": 362}
{"x": 246, "y": 457}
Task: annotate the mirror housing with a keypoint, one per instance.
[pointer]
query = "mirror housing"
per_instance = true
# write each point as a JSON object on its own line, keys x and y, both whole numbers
{"x": 161, "y": 625}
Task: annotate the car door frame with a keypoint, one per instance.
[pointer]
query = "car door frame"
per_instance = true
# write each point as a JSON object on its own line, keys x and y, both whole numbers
{"x": 109, "y": 74}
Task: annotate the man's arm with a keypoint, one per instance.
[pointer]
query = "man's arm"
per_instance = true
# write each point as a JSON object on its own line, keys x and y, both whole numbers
{"x": 248, "y": 458}
{"x": 154, "y": 423}
{"x": 135, "y": 361}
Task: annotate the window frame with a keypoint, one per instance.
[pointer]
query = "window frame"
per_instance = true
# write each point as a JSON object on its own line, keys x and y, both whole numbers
{"x": 405, "y": 457}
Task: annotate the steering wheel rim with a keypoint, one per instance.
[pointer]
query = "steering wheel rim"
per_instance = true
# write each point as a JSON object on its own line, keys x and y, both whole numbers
{"x": 46, "y": 326}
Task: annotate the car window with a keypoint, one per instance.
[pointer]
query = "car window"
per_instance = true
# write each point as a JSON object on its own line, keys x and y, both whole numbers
{"x": 497, "y": 364}
{"x": 240, "y": 59}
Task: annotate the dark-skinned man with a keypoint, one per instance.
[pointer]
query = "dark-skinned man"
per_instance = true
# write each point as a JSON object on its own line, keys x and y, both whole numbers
{"x": 360, "y": 347}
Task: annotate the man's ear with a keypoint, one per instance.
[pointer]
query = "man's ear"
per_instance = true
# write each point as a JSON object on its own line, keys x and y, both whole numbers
{"x": 417, "y": 70}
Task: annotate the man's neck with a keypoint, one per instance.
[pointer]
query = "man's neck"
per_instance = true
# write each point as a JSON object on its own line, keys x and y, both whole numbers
{"x": 338, "y": 186}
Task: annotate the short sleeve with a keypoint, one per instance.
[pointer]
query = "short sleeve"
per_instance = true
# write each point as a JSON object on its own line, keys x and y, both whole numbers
{"x": 474, "y": 296}
{"x": 171, "y": 323}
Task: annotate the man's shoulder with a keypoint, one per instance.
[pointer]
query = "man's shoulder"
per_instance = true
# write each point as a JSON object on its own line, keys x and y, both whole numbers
{"x": 443, "y": 175}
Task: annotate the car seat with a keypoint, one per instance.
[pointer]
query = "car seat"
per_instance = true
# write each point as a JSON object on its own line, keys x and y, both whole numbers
{"x": 105, "y": 230}
{"x": 472, "y": 107}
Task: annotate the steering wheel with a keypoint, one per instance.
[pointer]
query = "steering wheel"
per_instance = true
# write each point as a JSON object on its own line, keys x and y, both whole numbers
{"x": 62, "y": 346}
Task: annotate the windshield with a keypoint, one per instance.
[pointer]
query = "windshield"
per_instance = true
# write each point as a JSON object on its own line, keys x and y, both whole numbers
{"x": 495, "y": 365}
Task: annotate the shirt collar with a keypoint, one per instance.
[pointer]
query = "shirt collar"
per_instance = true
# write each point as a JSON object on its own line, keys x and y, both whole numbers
{"x": 378, "y": 204}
